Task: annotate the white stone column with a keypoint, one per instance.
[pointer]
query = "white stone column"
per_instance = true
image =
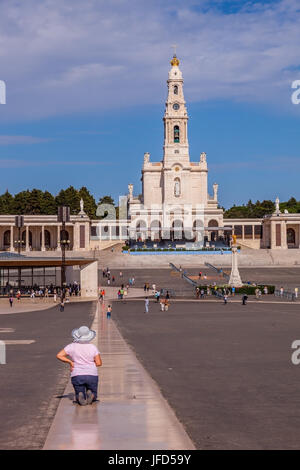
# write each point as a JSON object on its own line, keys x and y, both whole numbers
{"x": 283, "y": 235}
{"x": 273, "y": 235}
{"x": 235, "y": 278}
{"x": 58, "y": 238}
{"x": 27, "y": 238}
{"x": 43, "y": 239}
{"x": 12, "y": 238}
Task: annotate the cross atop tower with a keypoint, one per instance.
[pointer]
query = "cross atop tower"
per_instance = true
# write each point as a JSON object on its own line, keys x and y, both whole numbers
{"x": 174, "y": 47}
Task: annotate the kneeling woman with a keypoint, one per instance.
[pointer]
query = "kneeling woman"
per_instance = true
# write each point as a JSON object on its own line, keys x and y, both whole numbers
{"x": 85, "y": 358}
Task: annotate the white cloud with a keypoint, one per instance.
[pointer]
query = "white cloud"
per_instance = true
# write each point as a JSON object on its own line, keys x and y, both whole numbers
{"x": 62, "y": 56}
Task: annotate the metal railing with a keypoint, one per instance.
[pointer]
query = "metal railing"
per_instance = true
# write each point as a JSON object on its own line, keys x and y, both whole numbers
{"x": 218, "y": 270}
{"x": 285, "y": 294}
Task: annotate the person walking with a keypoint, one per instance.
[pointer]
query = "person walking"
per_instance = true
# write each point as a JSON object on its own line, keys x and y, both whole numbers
{"x": 146, "y": 305}
{"x": 18, "y": 295}
{"x": 108, "y": 313}
{"x": 62, "y": 305}
{"x": 162, "y": 305}
{"x": 244, "y": 299}
{"x": 296, "y": 293}
{"x": 54, "y": 295}
{"x": 225, "y": 299}
{"x": 11, "y": 300}
{"x": 85, "y": 358}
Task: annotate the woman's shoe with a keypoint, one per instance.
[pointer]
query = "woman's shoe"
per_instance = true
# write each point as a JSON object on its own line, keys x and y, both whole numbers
{"x": 89, "y": 397}
{"x": 81, "y": 400}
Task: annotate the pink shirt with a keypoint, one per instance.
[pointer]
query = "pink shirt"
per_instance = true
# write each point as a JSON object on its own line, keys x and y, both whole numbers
{"x": 82, "y": 354}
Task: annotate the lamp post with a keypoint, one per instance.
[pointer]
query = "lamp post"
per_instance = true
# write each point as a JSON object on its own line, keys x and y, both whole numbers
{"x": 19, "y": 223}
{"x": 63, "y": 216}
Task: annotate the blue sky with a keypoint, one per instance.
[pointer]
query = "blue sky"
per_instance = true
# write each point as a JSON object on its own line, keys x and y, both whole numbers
{"x": 86, "y": 86}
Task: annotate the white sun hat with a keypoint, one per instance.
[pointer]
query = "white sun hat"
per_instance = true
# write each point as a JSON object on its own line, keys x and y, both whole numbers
{"x": 83, "y": 334}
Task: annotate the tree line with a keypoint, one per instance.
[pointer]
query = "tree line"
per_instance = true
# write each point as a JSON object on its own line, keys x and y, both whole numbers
{"x": 259, "y": 209}
{"x": 38, "y": 202}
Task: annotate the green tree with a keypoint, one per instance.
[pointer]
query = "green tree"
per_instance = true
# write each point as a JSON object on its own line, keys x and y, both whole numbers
{"x": 69, "y": 197}
{"x": 6, "y": 203}
{"x": 48, "y": 204}
{"x": 22, "y": 204}
{"x": 35, "y": 200}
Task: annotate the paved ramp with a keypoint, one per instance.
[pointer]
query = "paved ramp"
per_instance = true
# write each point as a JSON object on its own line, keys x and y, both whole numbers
{"x": 131, "y": 414}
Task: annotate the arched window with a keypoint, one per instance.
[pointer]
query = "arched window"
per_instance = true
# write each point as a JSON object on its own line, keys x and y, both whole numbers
{"x": 30, "y": 238}
{"x": 175, "y": 89}
{"x": 290, "y": 236}
{"x": 6, "y": 238}
{"x": 176, "y": 134}
{"x": 177, "y": 187}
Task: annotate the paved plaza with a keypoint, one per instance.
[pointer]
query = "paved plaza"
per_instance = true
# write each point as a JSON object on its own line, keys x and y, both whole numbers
{"x": 226, "y": 370}
{"x": 33, "y": 380}
{"x": 203, "y": 374}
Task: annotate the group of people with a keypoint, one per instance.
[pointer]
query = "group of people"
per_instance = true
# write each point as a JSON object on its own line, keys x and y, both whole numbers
{"x": 164, "y": 302}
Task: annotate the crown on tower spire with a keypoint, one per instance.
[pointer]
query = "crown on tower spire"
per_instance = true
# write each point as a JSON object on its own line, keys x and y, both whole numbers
{"x": 174, "y": 61}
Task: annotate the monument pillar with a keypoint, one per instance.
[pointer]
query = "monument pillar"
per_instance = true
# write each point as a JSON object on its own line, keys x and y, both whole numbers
{"x": 235, "y": 278}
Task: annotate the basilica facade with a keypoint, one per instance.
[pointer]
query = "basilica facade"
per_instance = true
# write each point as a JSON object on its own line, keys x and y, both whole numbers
{"x": 175, "y": 205}
{"x": 175, "y": 194}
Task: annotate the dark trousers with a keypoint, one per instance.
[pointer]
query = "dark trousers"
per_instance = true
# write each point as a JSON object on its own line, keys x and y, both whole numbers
{"x": 82, "y": 383}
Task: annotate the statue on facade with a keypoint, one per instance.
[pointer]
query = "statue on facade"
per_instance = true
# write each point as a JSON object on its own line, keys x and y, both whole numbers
{"x": 146, "y": 157}
{"x": 177, "y": 188}
{"x": 215, "y": 186}
{"x": 277, "y": 210}
{"x": 203, "y": 157}
{"x": 81, "y": 205}
{"x": 130, "y": 190}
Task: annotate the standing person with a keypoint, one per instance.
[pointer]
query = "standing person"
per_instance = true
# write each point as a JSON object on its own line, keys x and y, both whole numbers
{"x": 85, "y": 358}
{"x": 244, "y": 299}
{"x": 108, "y": 313}
{"x": 145, "y": 287}
{"x": 54, "y": 295}
{"x": 281, "y": 292}
{"x": 62, "y": 305}
{"x": 225, "y": 299}
{"x": 259, "y": 294}
{"x": 146, "y": 305}
{"x": 11, "y": 300}
{"x": 200, "y": 274}
{"x": 121, "y": 274}
{"x": 103, "y": 295}
{"x": 18, "y": 295}
{"x": 296, "y": 293}
{"x": 133, "y": 280}
{"x": 167, "y": 295}
{"x": 162, "y": 305}
{"x": 125, "y": 293}
{"x": 154, "y": 288}
{"x": 233, "y": 291}
{"x": 202, "y": 293}
{"x": 113, "y": 279}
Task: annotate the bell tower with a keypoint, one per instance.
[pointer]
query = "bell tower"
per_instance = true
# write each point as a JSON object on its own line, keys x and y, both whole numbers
{"x": 176, "y": 146}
